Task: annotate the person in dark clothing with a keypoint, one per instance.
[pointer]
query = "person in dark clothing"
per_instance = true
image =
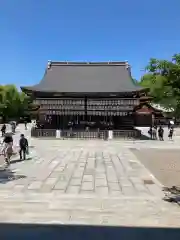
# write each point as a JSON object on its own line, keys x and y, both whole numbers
{"x": 25, "y": 124}
{"x": 13, "y": 127}
{"x": 8, "y": 138}
{"x": 106, "y": 134}
{"x": 150, "y": 132}
{"x": 3, "y": 130}
{"x": 23, "y": 144}
{"x": 161, "y": 133}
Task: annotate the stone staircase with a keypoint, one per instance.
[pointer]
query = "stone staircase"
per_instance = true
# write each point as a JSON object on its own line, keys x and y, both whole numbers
{"x": 71, "y": 209}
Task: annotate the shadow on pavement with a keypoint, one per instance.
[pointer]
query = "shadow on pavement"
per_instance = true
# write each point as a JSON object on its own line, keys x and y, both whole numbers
{"x": 18, "y": 160}
{"x": 68, "y": 232}
{"x": 144, "y": 137}
{"x": 7, "y": 175}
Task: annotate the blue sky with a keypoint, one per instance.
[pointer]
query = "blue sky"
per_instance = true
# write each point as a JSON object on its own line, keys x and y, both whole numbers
{"x": 35, "y": 31}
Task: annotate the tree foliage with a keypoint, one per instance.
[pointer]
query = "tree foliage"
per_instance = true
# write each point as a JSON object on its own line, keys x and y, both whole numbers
{"x": 163, "y": 80}
{"x": 13, "y": 103}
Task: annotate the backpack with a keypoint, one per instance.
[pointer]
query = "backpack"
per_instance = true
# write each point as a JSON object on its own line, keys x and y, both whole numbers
{"x": 23, "y": 142}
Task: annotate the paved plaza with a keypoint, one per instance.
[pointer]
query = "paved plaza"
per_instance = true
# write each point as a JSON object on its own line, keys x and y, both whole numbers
{"x": 86, "y": 182}
{"x": 163, "y": 163}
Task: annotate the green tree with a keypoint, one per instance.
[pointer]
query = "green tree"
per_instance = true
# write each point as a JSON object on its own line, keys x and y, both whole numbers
{"x": 1, "y": 99}
{"x": 163, "y": 80}
{"x": 13, "y": 103}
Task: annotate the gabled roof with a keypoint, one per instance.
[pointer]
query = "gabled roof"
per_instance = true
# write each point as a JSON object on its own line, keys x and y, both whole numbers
{"x": 86, "y": 77}
{"x": 161, "y": 108}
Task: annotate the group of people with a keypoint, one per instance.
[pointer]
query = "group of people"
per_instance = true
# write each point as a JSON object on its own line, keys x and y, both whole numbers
{"x": 158, "y": 132}
{"x": 7, "y": 150}
{"x": 13, "y": 128}
{"x": 3, "y": 130}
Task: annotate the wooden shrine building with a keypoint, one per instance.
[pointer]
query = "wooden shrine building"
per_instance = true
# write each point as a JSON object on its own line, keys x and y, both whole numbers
{"x": 93, "y": 95}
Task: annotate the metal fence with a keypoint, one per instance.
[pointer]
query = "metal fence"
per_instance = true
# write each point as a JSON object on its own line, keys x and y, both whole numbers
{"x": 128, "y": 134}
{"x": 36, "y": 132}
{"x": 74, "y": 134}
{"x": 84, "y": 134}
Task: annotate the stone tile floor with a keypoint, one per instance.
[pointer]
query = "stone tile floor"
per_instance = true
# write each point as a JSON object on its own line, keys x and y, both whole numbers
{"x": 72, "y": 167}
{"x": 87, "y": 182}
{"x": 163, "y": 163}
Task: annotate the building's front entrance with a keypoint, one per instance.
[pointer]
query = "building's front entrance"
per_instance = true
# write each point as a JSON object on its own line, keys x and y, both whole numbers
{"x": 143, "y": 120}
{"x": 87, "y": 121}
{"x": 144, "y": 116}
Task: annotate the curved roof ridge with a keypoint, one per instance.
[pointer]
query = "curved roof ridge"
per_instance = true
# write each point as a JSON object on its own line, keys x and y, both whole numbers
{"x": 86, "y": 63}
{"x": 79, "y": 77}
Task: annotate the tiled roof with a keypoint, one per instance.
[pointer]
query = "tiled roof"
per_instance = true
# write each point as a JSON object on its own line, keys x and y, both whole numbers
{"x": 82, "y": 77}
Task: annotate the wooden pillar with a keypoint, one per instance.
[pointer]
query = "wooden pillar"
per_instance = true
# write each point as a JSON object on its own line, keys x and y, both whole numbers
{"x": 153, "y": 119}
{"x": 85, "y": 111}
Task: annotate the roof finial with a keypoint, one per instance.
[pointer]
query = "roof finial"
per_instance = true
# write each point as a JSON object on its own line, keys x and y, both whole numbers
{"x": 127, "y": 64}
{"x": 49, "y": 64}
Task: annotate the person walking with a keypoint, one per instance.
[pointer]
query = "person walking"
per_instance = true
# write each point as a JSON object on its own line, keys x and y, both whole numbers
{"x": 13, "y": 127}
{"x": 150, "y": 132}
{"x": 171, "y": 131}
{"x": 169, "y": 125}
{"x": 161, "y": 133}
{"x": 25, "y": 124}
{"x": 154, "y": 133}
{"x": 8, "y": 148}
{"x": 3, "y": 130}
{"x": 23, "y": 144}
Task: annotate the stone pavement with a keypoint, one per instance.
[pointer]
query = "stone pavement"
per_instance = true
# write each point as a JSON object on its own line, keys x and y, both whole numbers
{"x": 163, "y": 163}
{"x": 86, "y": 182}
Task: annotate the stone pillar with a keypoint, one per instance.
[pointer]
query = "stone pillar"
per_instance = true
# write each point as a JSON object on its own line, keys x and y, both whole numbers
{"x": 58, "y": 133}
{"x": 110, "y": 135}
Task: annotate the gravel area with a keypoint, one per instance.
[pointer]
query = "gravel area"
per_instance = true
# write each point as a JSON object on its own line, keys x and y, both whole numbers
{"x": 164, "y": 164}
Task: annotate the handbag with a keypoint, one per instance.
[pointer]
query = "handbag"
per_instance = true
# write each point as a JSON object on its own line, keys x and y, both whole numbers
{"x": 27, "y": 151}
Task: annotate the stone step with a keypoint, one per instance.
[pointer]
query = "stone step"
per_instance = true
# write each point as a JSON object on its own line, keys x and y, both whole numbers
{"x": 39, "y": 202}
{"x": 106, "y": 211}
{"x": 9, "y": 195}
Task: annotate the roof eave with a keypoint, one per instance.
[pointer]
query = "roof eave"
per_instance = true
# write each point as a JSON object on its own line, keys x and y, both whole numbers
{"x": 33, "y": 89}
